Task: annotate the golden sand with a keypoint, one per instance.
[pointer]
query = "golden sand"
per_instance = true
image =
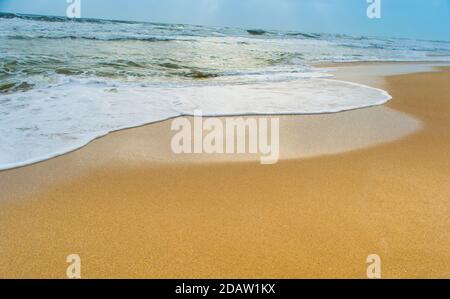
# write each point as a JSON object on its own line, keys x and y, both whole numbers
{"x": 127, "y": 212}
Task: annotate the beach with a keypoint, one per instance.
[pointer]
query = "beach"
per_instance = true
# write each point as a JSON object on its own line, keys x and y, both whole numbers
{"x": 360, "y": 182}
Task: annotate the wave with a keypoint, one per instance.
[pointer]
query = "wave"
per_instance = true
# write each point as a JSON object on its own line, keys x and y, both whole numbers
{"x": 283, "y": 34}
{"x": 256, "y": 31}
{"x": 196, "y": 74}
{"x": 4, "y": 15}
{"x": 10, "y": 87}
{"x": 69, "y": 115}
{"x": 305, "y": 35}
{"x": 394, "y": 48}
{"x": 74, "y": 37}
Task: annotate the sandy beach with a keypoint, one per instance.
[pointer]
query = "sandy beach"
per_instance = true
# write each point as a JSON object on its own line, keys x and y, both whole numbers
{"x": 351, "y": 184}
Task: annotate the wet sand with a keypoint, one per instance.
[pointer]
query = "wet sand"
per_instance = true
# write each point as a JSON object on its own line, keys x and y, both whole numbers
{"x": 373, "y": 180}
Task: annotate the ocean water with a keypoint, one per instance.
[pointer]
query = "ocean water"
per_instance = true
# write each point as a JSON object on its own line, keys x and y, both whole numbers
{"x": 65, "y": 82}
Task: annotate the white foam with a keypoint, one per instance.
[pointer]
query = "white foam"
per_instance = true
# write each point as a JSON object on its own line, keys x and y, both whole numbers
{"x": 43, "y": 123}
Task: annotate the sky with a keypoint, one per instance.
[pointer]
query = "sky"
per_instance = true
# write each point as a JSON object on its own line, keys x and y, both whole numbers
{"x": 422, "y": 19}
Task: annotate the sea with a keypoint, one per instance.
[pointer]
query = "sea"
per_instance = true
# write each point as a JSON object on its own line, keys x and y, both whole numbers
{"x": 65, "y": 82}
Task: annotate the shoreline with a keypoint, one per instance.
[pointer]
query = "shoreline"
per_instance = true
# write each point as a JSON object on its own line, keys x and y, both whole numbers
{"x": 424, "y": 66}
{"x": 129, "y": 213}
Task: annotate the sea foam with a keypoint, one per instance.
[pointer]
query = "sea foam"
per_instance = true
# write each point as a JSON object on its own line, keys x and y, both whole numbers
{"x": 42, "y": 123}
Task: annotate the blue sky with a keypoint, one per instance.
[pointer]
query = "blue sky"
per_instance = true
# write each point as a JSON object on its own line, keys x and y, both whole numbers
{"x": 425, "y": 19}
